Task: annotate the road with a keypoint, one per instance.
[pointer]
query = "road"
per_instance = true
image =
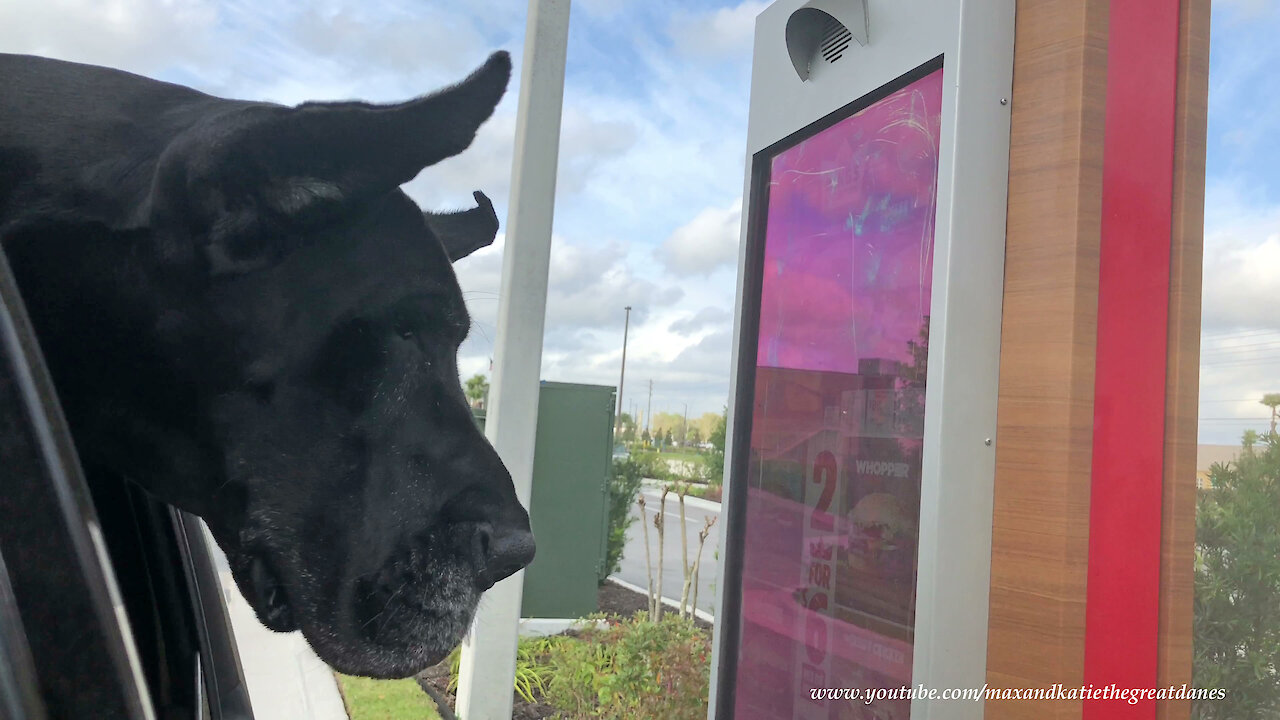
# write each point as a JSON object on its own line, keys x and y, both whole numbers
{"x": 633, "y": 564}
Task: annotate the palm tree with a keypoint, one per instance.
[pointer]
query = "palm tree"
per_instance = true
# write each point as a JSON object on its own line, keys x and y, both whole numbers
{"x": 1272, "y": 400}
{"x": 477, "y": 390}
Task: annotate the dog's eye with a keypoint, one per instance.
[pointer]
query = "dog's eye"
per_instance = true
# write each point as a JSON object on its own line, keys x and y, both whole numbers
{"x": 404, "y": 322}
{"x": 348, "y": 362}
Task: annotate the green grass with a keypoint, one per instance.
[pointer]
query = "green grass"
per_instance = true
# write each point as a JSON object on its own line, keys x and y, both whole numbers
{"x": 683, "y": 456}
{"x": 385, "y": 699}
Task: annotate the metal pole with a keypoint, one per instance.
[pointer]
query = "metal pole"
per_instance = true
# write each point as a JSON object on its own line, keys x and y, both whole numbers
{"x": 649, "y": 412}
{"x": 617, "y": 417}
{"x": 488, "y": 665}
{"x": 684, "y": 437}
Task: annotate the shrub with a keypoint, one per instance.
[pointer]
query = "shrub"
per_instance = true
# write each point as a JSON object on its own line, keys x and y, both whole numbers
{"x": 532, "y": 672}
{"x": 715, "y": 459}
{"x": 634, "y": 668}
{"x": 1237, "y": 585}
{"x": 623, "y": 486}
{"x": 706, "y": 492}
{"x": 653, "y": 465}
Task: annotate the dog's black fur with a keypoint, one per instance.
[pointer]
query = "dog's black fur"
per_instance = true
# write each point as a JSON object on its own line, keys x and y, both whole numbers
{"x": 243, "y": 314}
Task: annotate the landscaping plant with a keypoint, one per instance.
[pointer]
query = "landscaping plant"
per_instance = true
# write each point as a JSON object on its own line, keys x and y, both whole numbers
{"x": 1237, "y": 585}
{"x": 632, "y": 669}
{"x": 624, "y": 485}
{"x": 715, "y": 461}
{"x": 703, "y": 534}
{"x": 659, "y": 522}
{"x": 689, "y": 604}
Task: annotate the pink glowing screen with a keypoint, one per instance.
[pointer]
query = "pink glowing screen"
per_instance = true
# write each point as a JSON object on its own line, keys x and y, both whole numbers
{"x": 833, "y": 476}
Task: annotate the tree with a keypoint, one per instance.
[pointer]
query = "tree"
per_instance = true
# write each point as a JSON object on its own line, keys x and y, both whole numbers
{"x": 626, "y": 427}
{"x": 1272, "y": 400}
{"x": 645, "y": 437}
{"x": 477, "y": 390}
{"x": 665, "y": 422}
{"x": 668, "y": 441}
{"x": 628, "y": 475}
{"x": 1237, "y": 585}
{"x": 695, "y": 435}
{"x": 705, "y": 423}
{"x": 715, "y": 463}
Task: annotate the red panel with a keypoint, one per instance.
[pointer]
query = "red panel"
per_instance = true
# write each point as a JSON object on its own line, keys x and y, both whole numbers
{"x": 1121, "y": 618}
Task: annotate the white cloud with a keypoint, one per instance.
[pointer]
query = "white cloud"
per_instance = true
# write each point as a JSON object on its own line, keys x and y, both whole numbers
{"x": 651, "y": 136}
{"x": 602, "y": 8}
{"x": 588, "y": 287}
{"x": 705, "y": 244}
{"x": 141, "y": 36}
{"x": 707, "y": 317}
{"x": 591, "y": 284}
{"x": 485, "y": 166}
{"x": 586, "y": 144}
{"x": 1241, "y": 262}
{"x": 1240, "y": 349}
{"x": 697, "y": 375}
{"x": 1242, "y": 282}
{"x": 1248, "y": 9}
{"x": 390, "y": 39}
{"x": 724, "y": 31}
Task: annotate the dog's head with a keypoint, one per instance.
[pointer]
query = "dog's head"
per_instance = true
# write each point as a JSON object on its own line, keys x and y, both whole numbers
{"x": 286, "y": 368}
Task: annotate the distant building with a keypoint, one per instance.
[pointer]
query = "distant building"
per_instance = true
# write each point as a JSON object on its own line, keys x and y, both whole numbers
{"x": 1207, "y": 456}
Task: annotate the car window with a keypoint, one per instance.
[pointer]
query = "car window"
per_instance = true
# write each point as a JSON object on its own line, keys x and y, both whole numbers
{"x": 109, "y": 604}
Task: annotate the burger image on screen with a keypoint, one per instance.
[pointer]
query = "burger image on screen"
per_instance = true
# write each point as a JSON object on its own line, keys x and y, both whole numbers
{"x": 881, "y": 527}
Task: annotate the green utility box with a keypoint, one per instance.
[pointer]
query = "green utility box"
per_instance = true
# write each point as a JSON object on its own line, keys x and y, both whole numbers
{"x": 572, "y": 458}
{"x": 569, "y": 506}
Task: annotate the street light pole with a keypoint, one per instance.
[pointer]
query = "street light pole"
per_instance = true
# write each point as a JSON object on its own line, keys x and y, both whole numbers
{"x": 649, "y": 413}
{"x": 617, "y": 416}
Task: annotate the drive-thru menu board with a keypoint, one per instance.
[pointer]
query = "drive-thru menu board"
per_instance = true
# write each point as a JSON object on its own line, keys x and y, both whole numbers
{"x": 833, "y": 474}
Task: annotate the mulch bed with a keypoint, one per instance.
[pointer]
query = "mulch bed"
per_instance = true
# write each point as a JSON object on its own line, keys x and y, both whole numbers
{"x": 435, "y": 681}
{"x": 617, "y": 600}
{"x": 612, "y": 599}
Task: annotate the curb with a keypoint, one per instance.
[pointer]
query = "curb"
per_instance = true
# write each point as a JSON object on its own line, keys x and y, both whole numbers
{"x": 539, "y": 627}
{"x": 655, "y": 491}
{"x": 700, "y": 613}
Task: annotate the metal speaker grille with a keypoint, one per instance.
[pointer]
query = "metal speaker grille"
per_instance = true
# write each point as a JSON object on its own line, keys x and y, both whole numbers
{"x": 835, "y": 40}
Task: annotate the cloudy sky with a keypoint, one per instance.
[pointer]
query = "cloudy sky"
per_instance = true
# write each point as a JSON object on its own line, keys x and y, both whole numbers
{"x": 651, "y": 161}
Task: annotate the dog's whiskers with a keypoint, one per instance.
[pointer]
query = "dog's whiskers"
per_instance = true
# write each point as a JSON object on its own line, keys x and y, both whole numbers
{"x": 384, "y": 607}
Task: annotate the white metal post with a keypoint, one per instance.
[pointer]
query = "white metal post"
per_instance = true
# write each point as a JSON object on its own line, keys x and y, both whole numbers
{"x": 488, "y": 669}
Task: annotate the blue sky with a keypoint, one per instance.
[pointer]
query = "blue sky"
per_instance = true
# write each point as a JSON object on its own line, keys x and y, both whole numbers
{"x": 651, "y": 168}
{"x": 1240, "y": 355}
{"x": 1245, "y": 98}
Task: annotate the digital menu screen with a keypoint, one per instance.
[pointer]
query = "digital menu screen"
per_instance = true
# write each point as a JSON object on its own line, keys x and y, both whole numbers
{"x": 843, "y": 234}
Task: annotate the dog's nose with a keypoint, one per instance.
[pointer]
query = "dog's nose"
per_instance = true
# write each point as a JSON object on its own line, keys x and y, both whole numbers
{"x": 500, "y": 553}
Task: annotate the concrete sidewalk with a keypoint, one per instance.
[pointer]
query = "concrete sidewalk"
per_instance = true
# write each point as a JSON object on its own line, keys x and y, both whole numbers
{"x": 285, "y": 678}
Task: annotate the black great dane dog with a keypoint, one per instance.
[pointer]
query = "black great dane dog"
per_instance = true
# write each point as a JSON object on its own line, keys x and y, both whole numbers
{"x": 245, "y": 315}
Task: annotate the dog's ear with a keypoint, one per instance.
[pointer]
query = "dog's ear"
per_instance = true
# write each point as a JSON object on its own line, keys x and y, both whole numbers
{"x": 326, "y": 151}
{"x": 253, "y": 176}
{"x": 465, "y": 231}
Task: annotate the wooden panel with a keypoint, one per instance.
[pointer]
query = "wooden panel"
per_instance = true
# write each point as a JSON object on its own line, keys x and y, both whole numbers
{"x": 1045, "y": 413}
{"x": 1178, "y": 521}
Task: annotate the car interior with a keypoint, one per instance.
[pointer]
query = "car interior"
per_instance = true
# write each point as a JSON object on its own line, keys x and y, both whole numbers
{"x": 110, "y": 605}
